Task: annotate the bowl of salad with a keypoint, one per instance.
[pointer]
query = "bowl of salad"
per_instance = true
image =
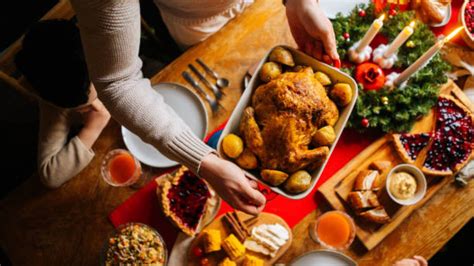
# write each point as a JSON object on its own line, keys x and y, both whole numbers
{"x": 132, "y": 244}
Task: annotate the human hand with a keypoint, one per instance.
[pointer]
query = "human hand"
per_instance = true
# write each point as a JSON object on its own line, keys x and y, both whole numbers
{"x": 415, "y": 261}
{"x": 96, "y": 117}
{"x": 312, "y": 30}
{"x": 229, "y": 181}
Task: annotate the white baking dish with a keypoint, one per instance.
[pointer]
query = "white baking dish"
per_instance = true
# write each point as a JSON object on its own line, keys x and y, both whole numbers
{"x": 245, "y": 100}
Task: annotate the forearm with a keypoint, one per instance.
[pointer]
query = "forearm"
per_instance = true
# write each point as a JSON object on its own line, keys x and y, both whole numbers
{"x": 88, "y": 136}
{"x": 58, "y": 166}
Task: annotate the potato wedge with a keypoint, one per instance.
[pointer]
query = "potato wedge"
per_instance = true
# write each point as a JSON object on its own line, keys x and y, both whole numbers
{"x": 247, "y": 160}
{"x": 324, "y": 136}
{"x": 341, "y": 94}
{"x": 269, "y": 71}
{"x": 232, "y": 145}
{"x": 322, "y": 78}
{"x": 282, "y": 56}
{"x": 298, "y": 182}
{"x": 273, "y": 177}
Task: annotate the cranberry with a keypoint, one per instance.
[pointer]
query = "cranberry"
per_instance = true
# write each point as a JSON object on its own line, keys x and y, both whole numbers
{"x": 414, "y": 143}
{"x": 346, "y": 35}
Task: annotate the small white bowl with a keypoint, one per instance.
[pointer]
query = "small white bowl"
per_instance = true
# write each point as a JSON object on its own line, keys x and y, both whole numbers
{"x": 420, "y": 181}
{"x": 466, "y": 35}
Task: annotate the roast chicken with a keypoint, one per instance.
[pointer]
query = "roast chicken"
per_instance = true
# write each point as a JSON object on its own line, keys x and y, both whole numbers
{"x": 284, "y": 115}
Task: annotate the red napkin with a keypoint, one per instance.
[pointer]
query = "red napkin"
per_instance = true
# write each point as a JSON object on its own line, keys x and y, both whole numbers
{"x": 144, "y": 207}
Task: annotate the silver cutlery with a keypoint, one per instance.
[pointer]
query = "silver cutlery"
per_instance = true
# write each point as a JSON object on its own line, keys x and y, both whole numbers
{"x": 213, "y": 87}
{"x": 213, "y": 103}
{"x": 221, "y": 82}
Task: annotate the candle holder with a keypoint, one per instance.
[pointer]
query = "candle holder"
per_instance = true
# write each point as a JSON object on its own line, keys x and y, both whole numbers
{"x": 390, "y": 81}
{"x": 357, "y": 56}
{"x": 378, "y": 56}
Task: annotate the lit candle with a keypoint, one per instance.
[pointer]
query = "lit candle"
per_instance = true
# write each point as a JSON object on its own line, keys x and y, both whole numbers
{"x": 424, "y": 59}
{"x": 399, "y": 40}
{"x": 370, "y": 34}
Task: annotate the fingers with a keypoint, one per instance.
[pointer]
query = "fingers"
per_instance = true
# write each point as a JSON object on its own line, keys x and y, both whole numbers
{"x": 253, "y": 184}
{"x": 329, "y": 43}
{"x": 253, "y": 196}
{"x": 317, "y": 50}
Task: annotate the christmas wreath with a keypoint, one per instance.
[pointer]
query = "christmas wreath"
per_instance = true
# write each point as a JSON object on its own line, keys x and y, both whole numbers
{"x": 392, "y": 110}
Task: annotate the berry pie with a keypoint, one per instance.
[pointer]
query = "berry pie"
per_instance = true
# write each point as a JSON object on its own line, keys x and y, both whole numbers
{"x": 186, "y": 199}
{"x": 449, "y": 147}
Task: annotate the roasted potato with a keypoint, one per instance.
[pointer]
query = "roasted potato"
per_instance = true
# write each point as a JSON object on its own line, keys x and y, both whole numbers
{"x": 232, "y": 145}
{"x": 298, "y": 182}
{"x": 282, "y": 56}
{"x": 341, "y": 93}
{"x": 247, "y": 160}
{"x": 269, "y": 71}
{"x": 324, "y": 136}
{"x": 322, "y": 78}
{"x": 273, "y": 177}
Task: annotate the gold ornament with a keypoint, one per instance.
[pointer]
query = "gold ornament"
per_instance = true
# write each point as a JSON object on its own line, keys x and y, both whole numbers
{"x": 384, "y": 100}
{"x": 410, "y": 44}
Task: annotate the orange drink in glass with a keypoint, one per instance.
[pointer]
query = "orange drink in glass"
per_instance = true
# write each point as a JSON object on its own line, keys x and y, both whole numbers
{"x": 333, "y": 230}
{"x": 119, "y": 168}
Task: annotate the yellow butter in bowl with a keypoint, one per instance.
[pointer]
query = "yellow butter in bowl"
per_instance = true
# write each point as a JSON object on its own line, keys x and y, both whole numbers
{"x": 403, "y": 185}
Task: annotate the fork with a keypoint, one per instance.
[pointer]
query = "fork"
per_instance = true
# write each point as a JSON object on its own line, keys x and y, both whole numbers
{"x": 213, "y": 103}
{"x": 215, "y": 90}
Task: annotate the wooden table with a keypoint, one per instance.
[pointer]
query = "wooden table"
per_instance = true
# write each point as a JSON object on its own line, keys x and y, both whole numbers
{"x": 68, "y": 226}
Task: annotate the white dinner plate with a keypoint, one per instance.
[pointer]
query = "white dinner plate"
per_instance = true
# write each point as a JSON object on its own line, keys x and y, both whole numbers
{"x": 187, "y": 105}
{"x": 332, "y": 7}
{"x": 323, "y": 258}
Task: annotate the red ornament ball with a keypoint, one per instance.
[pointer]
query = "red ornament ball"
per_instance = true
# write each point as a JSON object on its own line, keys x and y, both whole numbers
{"x": 362, "y": 13}
{"x": 392, "y": 12}
{"x": 364, "y": 122}
{"x": 346, "y": 35}
{"x": 370, "y": 75}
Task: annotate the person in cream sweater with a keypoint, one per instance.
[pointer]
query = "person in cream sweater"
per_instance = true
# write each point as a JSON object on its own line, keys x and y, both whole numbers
{"x": 110, "y": 32}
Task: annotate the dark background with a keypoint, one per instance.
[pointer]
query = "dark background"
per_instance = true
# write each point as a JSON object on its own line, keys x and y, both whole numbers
{"x": 19, "y": 118}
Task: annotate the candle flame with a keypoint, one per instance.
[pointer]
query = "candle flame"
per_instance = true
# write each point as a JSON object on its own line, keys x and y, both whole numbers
{"x": 382, "y": 17}
{"x": 412, "y": 24}
{"x": 452, "y": 34}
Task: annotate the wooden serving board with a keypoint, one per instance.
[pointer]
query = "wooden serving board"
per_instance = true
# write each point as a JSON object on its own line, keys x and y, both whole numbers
{"x": 336, "y": 189}
{"x": 219, "y": 224}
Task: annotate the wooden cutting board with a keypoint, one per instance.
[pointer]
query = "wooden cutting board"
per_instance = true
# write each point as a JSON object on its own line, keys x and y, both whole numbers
{"x": 219, "y": 224}
{"x": 336, "y": 189}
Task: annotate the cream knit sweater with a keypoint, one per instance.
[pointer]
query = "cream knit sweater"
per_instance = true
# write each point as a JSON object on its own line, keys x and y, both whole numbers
{"x": 110, "y": 32}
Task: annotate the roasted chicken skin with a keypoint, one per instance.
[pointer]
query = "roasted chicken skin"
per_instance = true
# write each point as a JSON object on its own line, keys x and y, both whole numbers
{"x": 285, "y": 114}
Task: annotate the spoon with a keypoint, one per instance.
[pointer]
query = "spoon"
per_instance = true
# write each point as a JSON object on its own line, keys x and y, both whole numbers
{"x": 220, "y": 82}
